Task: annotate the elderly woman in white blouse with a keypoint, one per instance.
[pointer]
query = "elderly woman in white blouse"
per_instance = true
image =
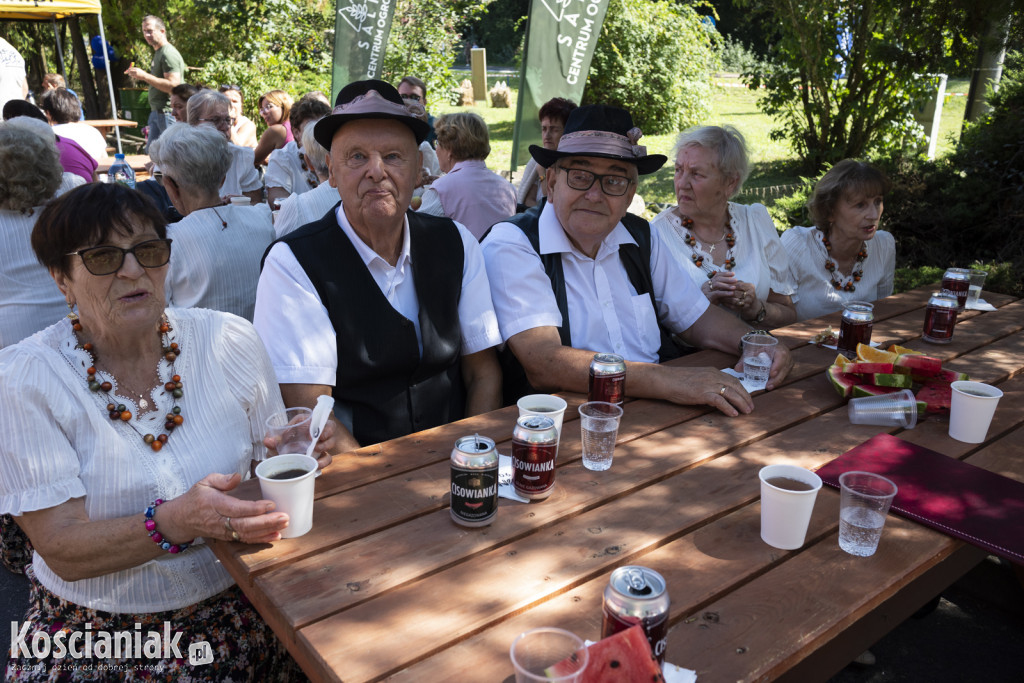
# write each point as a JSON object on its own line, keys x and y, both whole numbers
{"x": 844, "y": 256}
{"x": 217, "y": 248}
{"x": 211, "y": 108}
{"x": 125, "y": 427}
{"x": 732, "y": 251}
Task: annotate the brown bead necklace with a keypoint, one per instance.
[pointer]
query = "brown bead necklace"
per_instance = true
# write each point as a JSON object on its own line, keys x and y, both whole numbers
{"x": 119, "y": 411}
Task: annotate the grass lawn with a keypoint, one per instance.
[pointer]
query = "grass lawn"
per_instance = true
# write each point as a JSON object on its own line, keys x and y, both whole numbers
{"x": 773, "y": 162}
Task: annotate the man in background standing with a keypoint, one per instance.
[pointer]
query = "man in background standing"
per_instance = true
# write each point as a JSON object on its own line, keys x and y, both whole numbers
{"x": 13, "y": 82}
{"x": 413, "y": 89}
{"x": 168, "y": 70}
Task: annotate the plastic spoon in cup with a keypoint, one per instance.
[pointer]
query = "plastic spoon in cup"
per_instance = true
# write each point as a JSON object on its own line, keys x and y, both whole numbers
{"x": 321, "y": 413}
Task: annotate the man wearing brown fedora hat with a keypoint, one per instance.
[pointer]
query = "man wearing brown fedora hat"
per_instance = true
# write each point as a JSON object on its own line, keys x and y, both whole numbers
{"x": 577, "y": 275}
{"x": 386, "y": 309}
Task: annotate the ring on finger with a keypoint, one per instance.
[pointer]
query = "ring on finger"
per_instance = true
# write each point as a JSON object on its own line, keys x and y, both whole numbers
{"x": 722, "y": 390}
{"x": 227, "y": 525}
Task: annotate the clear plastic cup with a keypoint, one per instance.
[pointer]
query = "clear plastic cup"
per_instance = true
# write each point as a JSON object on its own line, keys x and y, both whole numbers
{"x": 758, "y": 354}
{"x": 863, "y": 506}
{"x": 977, "y": 284}
{"x": 534, "y": 652}
{"x": 599, "y": 427}
{"x": 290, "y": 429}
{"x": 898, "y": 409}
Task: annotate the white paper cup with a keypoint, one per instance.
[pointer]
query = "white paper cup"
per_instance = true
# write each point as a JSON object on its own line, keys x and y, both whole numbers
{"x": 785, "y": 513}
{"x": 543, "y": 404}
{"x": 971, "y": 409}
{"x": 293, "y": 496}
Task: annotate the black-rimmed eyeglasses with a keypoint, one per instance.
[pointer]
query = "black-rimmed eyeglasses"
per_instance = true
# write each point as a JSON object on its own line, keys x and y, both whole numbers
{"x": 218, "y": 121}
{"x": 109, "y": 259}
{"x": 611, "y": 185}
{"x": 411, "y": 97}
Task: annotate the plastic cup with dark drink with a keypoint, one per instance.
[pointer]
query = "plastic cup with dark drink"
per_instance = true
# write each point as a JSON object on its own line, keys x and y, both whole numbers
{"x": 855, "y": 327}
{"x": 607, "y": 378}
{"x": 534, "y": 448}
{"x": 788, "y": 493}
{"x": 940, "y": 318}
{"x": 288, "y": 480}
{"x": 957, "y": 282}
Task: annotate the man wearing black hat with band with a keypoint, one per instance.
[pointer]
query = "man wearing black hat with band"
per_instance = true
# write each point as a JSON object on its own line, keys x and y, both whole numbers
{"x": 578, "y": 275}
{"x": 385, "y": 309}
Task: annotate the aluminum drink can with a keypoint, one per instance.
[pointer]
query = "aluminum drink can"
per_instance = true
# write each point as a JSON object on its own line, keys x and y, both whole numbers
{"x": 957, "y": 282}
{"x": 855, "y": 327}
{"x": 534, "y": 447}
{"x": 637, "y": 595}
{"x": 607, "y": 378}
{"x": 940, "y": 318}
{"x": 474, "y": 488}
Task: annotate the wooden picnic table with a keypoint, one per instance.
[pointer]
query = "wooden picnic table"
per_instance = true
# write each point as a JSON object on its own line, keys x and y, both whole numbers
{"x": 104, "y": 126}
{"x": 385, "y": 586}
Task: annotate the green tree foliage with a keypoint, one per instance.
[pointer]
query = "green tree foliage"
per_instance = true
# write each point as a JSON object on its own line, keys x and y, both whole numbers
{"x": 837, "y": 99}
{"x": 654, "y": 58}
{"x": 425, "y": 41}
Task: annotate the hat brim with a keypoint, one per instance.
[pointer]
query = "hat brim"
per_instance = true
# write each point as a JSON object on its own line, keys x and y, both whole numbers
{"x": 644, "y": 165}
{"x": 329, "y": 125}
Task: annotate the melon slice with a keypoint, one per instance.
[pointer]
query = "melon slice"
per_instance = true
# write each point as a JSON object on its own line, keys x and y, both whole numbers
{"x": 625, "y": 656}
{"x": 946, "y": 377}
{"x": 918, "y": 366}
{"x": 864, "y": 368}
{"x": 893, "y": 380}
{"x": 843, "y": 382}
{"x": 936, "y": 397}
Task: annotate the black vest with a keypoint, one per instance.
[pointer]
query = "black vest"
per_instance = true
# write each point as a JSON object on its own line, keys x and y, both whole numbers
{"x": 390, "y": 390}
{"x": 636, "y": 259}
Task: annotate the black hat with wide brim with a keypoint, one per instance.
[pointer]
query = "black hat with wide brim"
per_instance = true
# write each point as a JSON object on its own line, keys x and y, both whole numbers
{"x": 598, "y": 130}
{"x": 370, "y": 99}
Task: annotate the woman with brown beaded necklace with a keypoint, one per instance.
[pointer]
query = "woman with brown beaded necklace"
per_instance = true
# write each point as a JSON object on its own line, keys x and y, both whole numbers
{"x": 844, "y": 256}
{"x": 731, "y": 251}
{"x": 125, "y": 425}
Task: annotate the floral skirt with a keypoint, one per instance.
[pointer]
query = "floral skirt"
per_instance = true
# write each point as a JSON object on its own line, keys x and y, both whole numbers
{"x": 15, "y": 549}
{"x": 222, "y": 638}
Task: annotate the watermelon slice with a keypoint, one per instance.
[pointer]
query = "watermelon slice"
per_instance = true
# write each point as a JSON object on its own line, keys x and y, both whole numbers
{"x": 893, "y": 380}
{"x": 917, "y": 365}
{"x": 869, "y": 368}
{"x": 936, "y": 397}
{"x": 843, "y": 382}
{"x": 625, "y": 656}
{"x": 946, "y": 377}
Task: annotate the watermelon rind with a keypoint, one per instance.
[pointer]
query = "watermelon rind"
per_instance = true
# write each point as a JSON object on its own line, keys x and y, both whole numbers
{"x": 862, "y": 390}
{"x": 843, "y": 382}
{"x": 947, "y": 377}
{"x": 918, "y": 365}
{"x": 893, "y": 380}
{"x": 869, "y": 368}
{"x": 625, "y": 656}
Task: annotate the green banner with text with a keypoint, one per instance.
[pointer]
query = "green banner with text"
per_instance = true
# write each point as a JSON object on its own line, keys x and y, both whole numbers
{"x": 560, "y": 40}
{"x": 361, "y": 30}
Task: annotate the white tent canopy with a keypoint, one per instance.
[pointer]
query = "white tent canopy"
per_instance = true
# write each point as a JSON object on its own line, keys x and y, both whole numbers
{"x": 51, "y": 10}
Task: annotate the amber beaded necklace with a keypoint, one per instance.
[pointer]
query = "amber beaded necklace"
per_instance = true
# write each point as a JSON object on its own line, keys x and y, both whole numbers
{"x": 855, "y": 273}
{"x": 698, "y": 258}
{"x": 119, "y": 411}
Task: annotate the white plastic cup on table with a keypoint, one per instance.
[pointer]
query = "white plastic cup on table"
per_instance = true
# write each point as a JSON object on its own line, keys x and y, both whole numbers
{"x": 290, "y": 428}
{"x": 599, "y": 427}
{"x": 863, "y": 505}
{"x": 288, "y": 480}
{"x": 977, "y": 284}
{"x": 971, "y": 408}
{"x": 536, "y": 651}
{"x": 898, "y": 409}
{"x": 788, "y": 493}
{"x": 543, "y": 404}
{"x": 758, "y": 354}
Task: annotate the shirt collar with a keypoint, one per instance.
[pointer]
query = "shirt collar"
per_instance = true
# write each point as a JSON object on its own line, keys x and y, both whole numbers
{"x": 367, "y": 254}
{"x": 553, "y": 239}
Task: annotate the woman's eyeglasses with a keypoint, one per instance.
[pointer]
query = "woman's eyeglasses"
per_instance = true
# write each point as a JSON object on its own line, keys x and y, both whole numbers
{"x": 109, "y": 259}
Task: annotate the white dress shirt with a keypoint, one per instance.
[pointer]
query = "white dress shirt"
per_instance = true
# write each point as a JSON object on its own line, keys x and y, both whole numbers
{"x": 29, "y": 298}
{"x": 606, "y": 315}
{"x": 815, "y": 294}
{"x": 284, "y": 170}
{"x": 760, "y": 257}
{"x": 299, "y": 209}
{"x": 296, "y": 327}
{"x": 242, "y": 175}
{"x": 217, "y": 267}
{"x": 59, "y": 444}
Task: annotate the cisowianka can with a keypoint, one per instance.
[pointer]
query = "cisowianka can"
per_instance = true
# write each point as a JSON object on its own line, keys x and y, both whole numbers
{"x": 534, "y": 447}
{"x": 474, "y": 464}
{"x": 940, "y": 318}
{"x": 607, "y": 378}
{"x": 637, "y": 595}
{"x": 957, "y": 282}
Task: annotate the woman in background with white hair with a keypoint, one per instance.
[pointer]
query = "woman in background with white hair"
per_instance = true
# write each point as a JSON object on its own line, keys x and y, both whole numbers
{"x": 217, "y": 248}
{"x": 300, "y": 209}
{"x": 214, "y": 109}
{"x": 732, "y": 251}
